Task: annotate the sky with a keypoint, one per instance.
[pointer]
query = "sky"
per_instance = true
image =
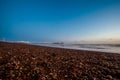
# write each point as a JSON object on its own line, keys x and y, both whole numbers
{"x": 60, "y": 20}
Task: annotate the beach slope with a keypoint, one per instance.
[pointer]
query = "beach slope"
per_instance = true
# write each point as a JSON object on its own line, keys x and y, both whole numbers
{"x": 20, "y": 61}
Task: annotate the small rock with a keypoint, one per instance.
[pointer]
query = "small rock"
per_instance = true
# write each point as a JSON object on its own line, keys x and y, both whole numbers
{"x": 109, "y": 76}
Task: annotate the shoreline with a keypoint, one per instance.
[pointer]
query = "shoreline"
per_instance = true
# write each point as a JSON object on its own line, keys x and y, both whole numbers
{"x": 97, "y": 49}
{"x": 81, "y": 49}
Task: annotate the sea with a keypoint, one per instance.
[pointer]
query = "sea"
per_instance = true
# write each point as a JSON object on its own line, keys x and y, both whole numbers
{"x": 111, "y": 48}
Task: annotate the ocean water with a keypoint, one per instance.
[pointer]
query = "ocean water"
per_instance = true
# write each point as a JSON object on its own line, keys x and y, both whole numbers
{"x": 112, "y": 48}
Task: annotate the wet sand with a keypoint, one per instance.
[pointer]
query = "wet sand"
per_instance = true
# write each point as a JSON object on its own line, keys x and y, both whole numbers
{"x": 20, "y": 61}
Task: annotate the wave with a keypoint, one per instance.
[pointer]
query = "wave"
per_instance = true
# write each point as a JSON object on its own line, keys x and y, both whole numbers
{"x": 113, "y": 48}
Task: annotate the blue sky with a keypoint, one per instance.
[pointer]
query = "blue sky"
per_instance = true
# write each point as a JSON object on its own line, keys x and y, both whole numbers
{"x": 59, "y": 20}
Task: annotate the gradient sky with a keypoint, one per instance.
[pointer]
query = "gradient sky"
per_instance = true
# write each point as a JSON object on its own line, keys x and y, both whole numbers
{"x": 59, "y": 20}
